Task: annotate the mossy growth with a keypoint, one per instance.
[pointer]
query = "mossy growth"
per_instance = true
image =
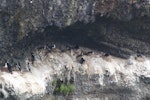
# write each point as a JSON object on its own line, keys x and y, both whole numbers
{"x": 54, "y": 83}
{"x": 67, "y": 88}
{"x": 63, "y": 87}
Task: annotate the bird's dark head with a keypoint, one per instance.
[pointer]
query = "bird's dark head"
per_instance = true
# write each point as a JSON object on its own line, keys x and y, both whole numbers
{"x": 106, "y": 54}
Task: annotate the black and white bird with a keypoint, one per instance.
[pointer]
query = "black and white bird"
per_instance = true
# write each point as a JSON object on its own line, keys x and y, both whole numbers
{"x": 82, "y": 60}
{"x": 9, "y": 67}
{"x": 32, "y": 58}
{"x": 106, "y": 54}
{"x": 50, "y": 47}
{"x": 53, "y": 46}
{"x": 18, "y": 65}
{"x": 28, "y": 67}
{"x": 107, "y": 57}
{"x": 140, "y": 58}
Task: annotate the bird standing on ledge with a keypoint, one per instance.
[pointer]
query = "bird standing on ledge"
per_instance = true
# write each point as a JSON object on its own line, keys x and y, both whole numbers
{"x": 9, "y": 67}
{"x": 18, "y": 65}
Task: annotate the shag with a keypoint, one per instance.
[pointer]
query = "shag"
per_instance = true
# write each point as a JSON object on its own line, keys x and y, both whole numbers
{"x": 32, "y": 58}
{"x": 28, "y": 67}
{"x": 18, "y": 65}
{"x": 106, "y": 54}
{"x": 53, "y": 46}
{"x": 9, "y": 67}
{"x": 82, "y": 61}
{"x": 139, "y": 57}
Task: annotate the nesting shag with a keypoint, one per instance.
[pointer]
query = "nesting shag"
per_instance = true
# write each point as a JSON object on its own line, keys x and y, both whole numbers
{"x": 53, "y": 46}
{"x": 18, "y": 65}
{"x": 106, "y": 57}
{"x": 106, "y": 54}
{"x": 32, "y": 58}
{"x": 139, "y": 57}
{"x": 9, "y": 67}
{"x": 28, "y": 66}
{"x": 82, "y": 61}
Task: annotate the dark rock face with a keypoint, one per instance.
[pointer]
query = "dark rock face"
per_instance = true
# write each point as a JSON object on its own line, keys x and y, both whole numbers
{"x": 20, "y": 20}
{"x": 20, "y": 17}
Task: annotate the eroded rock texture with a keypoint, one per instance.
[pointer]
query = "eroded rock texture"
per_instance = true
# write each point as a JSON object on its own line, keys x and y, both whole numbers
{"x": 99, "y": 77}
{"x": 26, "y": 22}
{"x": 18, "y": 18}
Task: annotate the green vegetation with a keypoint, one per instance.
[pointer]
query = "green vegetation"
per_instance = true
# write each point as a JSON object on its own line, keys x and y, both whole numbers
{"x": 67, "y": 88}
{"x": 54, "y": 83}
{"x": 62, "y": 87}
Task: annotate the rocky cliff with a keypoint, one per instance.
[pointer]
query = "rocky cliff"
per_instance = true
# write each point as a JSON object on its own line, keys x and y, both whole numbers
{"x": 87, "y": 34}
{"x": 19, "y": 18}
{"x": 64, "y": 76}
